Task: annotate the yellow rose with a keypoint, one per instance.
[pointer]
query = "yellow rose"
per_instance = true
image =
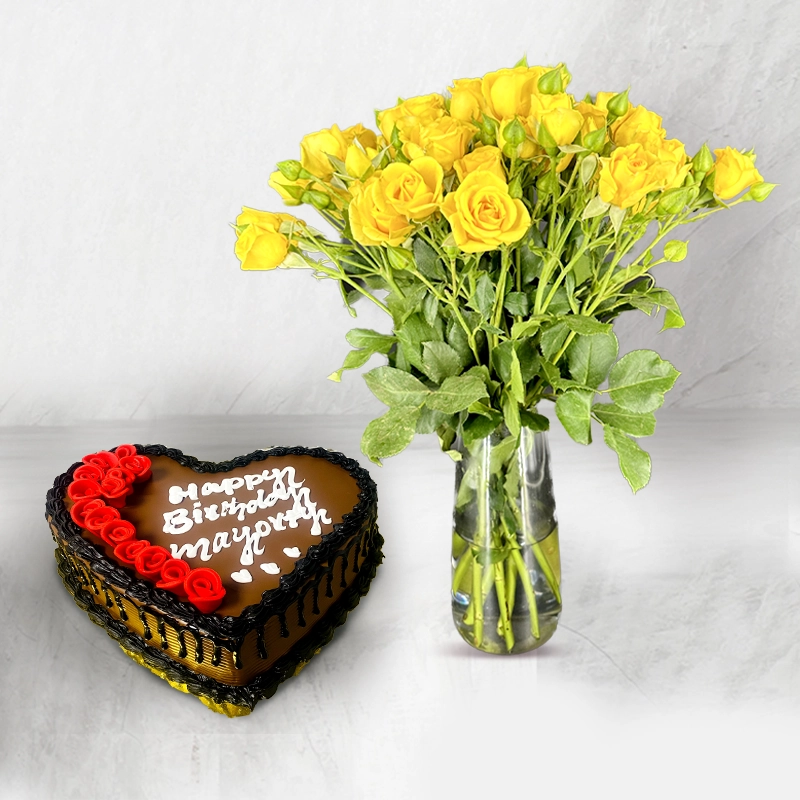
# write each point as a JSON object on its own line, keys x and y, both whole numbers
{"x": 627, "y": 175}
{"x": 563, "y": 124}
{"x": 640, "y": 126}
{"x": 364, "y": 136}
{"x": 672, "y": 164}
{"x": 507, "y": 92}
{"x": 259, "y": 242}
{"x": 466, "y": 99}
{"x": 482, "y": 214}
{"x": 358, "y": 160}
{"x": 413, "y": 190}
{"x": 733, "y": 173}
{"x": 278, "y": 181}
{"x": 487, "y": 159}
{"x": 445, "y": 139}
{"x": 594, "y": 115}
{"x": 542, "y": 103}
{"x": 316, "y": 147}
{"x": 410, "y": 113}
{"x": 372, "y": 220}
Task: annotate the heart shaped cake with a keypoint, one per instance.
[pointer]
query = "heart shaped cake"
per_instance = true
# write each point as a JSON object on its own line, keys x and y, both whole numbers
{"x": 222, "y": 578}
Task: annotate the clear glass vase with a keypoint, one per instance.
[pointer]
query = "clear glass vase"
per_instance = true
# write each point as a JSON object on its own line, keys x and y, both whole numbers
{"x": 506, "y": 563}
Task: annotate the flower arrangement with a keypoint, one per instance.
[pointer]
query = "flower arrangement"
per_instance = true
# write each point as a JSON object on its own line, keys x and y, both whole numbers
{"x": 503, "y": 227}
{"x": 493, "y": 227}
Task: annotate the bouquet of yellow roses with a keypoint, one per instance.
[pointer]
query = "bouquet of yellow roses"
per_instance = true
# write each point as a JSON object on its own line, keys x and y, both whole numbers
{"x": 503, "y": 228}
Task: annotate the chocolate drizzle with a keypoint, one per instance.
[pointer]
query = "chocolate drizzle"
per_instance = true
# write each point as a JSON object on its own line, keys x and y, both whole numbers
{"x": 143, "y": 619}
{"x": 260, "y": 647}
{"x": 182, "y": 653}
{"x": 284, "y": 627}
{"x": 301, "y": 620}
{"x": 162, "y": 632}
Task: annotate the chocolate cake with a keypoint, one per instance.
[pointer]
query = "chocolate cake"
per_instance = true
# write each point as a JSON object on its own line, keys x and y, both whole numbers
{"x": 222, "y": 578}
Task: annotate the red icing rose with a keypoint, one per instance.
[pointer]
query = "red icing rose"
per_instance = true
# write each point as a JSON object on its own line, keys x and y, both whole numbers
{"x": 173, "y": 574}
{"x": 124, "y": 450}
{"x": 150, "y": 561}
{"x": 117, "y": 531}
{"x": 115, "y": 487}
{"x": 83, "y": 489}
{"x": 97, "y": 517}
{"x": 102, "y": 459}
{"x": 88, "y": 471}
{"x": 80, "y": 508}
{"x": 204, "y": 588}
{"x": 139, "y": 466}
{"x": 129, "y": 550}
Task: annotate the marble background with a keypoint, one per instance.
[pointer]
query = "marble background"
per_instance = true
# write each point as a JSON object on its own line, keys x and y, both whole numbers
{"x": 132, "y": 135}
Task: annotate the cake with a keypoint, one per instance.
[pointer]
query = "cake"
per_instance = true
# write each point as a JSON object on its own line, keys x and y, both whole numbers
{"x": 222, "y": 578}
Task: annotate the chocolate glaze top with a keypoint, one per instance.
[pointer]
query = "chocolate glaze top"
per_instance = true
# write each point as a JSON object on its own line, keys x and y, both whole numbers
{"x": 330, "y": 487}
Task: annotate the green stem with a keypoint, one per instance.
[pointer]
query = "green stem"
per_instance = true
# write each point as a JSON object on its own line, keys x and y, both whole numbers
{"x": 504, "y": 626}
{"x": 528, "y": 588}
{"x": 549, "y": 574}
{"x": 461, "y": 568}
{"x": 511, "y": 586}
{"x": 476, "y": 601}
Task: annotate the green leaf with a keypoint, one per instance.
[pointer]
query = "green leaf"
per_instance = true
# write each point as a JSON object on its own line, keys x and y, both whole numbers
{"x": 534, "y": 421}
{"x": 429, "y": 420}
{"x": 525, "y": 327}
{"x": 457, "y": 339}
{"x": 478, "y": 427}
{"x": 673, "y": 317}
{"x": 517, "y": 384}
{"x": 370, "y": 340}
{"x": 483, "y": 299}
{"x": 617, "y": 216}
{"x": 634, "y": 463}
{"x": 595, "y": 208}
{"x": 456, "y": 394}
{"x": 428, "y": 262}
{"x": 516, "y": 303}
{"x": 675, "y": 250}
{"x": 586, "y": 326}
{"x": 401, "y": 308}
{"x": 353, "y": 360}
{"x": 396, "y": 388}
{"x": 590, "y": 358}
{"x": 574, "y": 410}
{"x": 502, "y": 452}
{"x": 588, "y": 167}
{"x": 553, "y": 339}
{"x": 638, "y": 381}
{"x": 511, "y": 413}
{"x": 502, "y": 356}
{"x": 528, "y": 359}
{"x": 485, "y": 326}
{"x": 430, "y": 308}
{"x": 582, "y": 269}
{"x": 412, "y": 334}
{"x": 531, "y": 264}
{"x": 440, "y": 361}
{"x": 390, "y": 434}
{"x": 625, "y": 421}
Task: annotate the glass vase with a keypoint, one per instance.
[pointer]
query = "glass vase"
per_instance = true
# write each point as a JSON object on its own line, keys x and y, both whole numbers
{"x": 506, "y": 564}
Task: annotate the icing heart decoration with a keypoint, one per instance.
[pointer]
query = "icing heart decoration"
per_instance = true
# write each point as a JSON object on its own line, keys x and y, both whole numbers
{"x": 242, "y": 576}
{"x": 99, "y": 489}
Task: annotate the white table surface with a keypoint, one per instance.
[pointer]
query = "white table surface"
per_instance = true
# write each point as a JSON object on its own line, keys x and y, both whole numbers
{"x": 675, "y": 671}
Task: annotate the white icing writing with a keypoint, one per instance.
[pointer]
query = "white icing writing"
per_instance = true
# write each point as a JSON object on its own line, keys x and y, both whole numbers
{"x": 282, "y": 486}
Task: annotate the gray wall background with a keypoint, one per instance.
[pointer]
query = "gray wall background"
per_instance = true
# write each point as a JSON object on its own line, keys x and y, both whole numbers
{"x": 132, "y": 135}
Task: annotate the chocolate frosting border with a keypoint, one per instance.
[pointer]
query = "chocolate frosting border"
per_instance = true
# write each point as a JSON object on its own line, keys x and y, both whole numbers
{"x": 273, "y": 601}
